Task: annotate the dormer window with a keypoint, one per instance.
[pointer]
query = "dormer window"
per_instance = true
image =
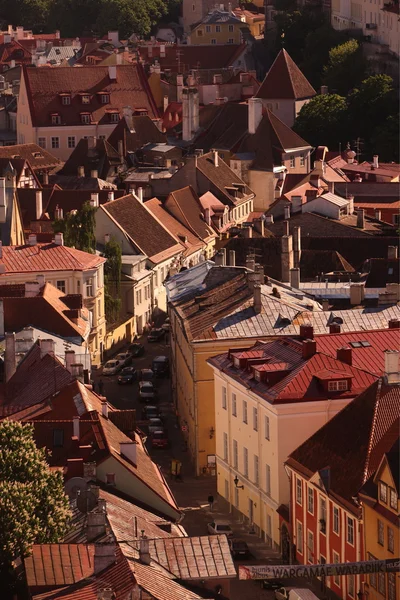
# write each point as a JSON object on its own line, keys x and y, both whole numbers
{"x": 85, "y": 118}
{"x": 383, "y": 492}
{"x": 85, "y": 99}
{"x": 114, "y": 117}
{"x": 338, "y": 386}
{"x": 55, "y": 119}
{"x": 393, "y": 499}
{"x": 65, "y": 99}
{"x": 104, "y": 98}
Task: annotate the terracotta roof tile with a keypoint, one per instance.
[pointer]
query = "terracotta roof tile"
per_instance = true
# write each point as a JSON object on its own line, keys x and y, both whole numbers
{"x": 135, "y": 132}
{"x": 185, "y": 205}
{"x": 284, "y": 80}
{"x": 37, "y": 157}
{"x": 158, "y": 585}
{"x": 221, "y": 178}
{"x": 184, "y": 58}
{"x": 59, "y": 564}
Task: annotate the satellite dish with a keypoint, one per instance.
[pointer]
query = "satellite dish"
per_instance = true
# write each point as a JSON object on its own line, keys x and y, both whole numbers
{"x": 74, "y": 486}
{"x": 86, "y": 501}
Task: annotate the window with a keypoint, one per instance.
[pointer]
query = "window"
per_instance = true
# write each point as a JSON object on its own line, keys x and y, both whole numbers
{"x": 234, "y": 405}
{"x": 42, "y": 142}
{"x": 78, "y": 287}
{"x": 381, "y": 584}
{"x": 292, "y": 162}
{"x": 390, "y": 535}
{"x": 99, "y": 308}
{"x": 299, "y": 492}
{"x": 231, "y": 41}
{"x": 58, "y": 438}
{"x": 268, "y": 480}
{"x": 105, "y": 98}
{"x": 322, "y": 514}
{"x": 235, "y": 454}
{"x": 66, "y": 100}
{"x": 110, "y": 478}
{"x": 245, "y": 462}
{"x": 244, "y": 411}
{"x": 269, "y": 526}
{"x": 336, "y": 522}
{"x": 218, "y": 28}
{"x": 114, "y": 117}
{"x": 256, "y": 470}
{"x": 60, "y": 285}
{"x": 208, "y": 28}
{"x": 266, "y": 427}
{"x": 351, "y": 585}
{"x": 139, "y": 297}
{"x": 372, "y": 577}
{"x": 89, "y": 288}
{"x": 55, "y": 142}
{"x": 213, "y": 41}
{"x": 85, "y": 99}
{"x": 230, "y": 28}
{"x": 255, "y": 419}
{"x": 299, "y": 537}
{"x": 225, "y": 446}
{"x": 310, "y": 503}
{"x": 391, "y": 586}
{"x": 85, "y": 118}
{"x": 383, "y": 492}
{"x": 381, "y": 533}
{"x": 336, "y": 561}
{"x": 350, "y": 531}
{"x": 393, "y": 499}
{"x": 337, "y": 386}
{"x": 71, "y": 141}
{"x": 224, "y": 397}
{"x": 302, "y": 160}
{"x": 55, "y": 120}
{"x": 199, "y": 33}
{"x": 310, "y": 546}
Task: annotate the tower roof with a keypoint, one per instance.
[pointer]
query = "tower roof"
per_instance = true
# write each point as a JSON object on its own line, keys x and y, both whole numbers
{"x": 285, "y": 80}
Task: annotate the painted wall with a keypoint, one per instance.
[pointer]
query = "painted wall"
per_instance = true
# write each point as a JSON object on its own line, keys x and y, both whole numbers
{"x": 204, "y": 34}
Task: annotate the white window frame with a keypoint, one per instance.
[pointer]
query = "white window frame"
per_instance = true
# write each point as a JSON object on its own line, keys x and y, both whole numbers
{"x": 235, "y": 454}
{"x": 245, "y": 462}
{"x": 268, "y": 479}
{"x": 383, "y": 492}
{"x": 310, "y": 548}
{"x": 245, "y": 419}
{"x": 255, "y": 418}
{"x": 66, "y": 100}
{"x": 299, "y": 491}
{"x": 256, "y": 470}
{"x": 336, "y": 561}
{"x": 61, "y": 285}
{"x": 310, "y": 500}
{"x": 42, "y": 142}
{"x": 299, "y": 537}
{"x": 224, "y": 398}
{"x": 234, "y": 405}
{"x": 302, "y": 160}
{"x": 71, "y": 141}
{"x": 350, "y": 530}
{"x": 393, "y": 499}
{"x": 85, "y": 119}
{"x": 339, "y": 385}
{"x": 292, "y": 161}
{"x": 55, "y": 143}
{"x": 336, "y": 520}
{"x": 225, "y": 446}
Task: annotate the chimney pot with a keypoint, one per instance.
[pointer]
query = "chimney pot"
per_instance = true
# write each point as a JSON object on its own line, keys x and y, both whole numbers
{"x": 75, "y": 423}
{"x": 394, "y": 324}
{"x": 360, "y": 218}
{"x": 334, "y": 328}
{"x": 345, "y": 354}
{"x": 376, "y": 161}
{"x": 32, "y": 239}
{"x": 232, "y": 258}
{"x": 309, "y": 348}
{"x": 46, "y": 347}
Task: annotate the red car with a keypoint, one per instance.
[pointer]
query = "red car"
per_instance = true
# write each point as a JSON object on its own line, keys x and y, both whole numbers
{"x": 159, "y": 439}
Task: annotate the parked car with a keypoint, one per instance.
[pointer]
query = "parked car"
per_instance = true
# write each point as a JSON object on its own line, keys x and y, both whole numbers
{"x": 150, "y": 412}
{"x": 147, "y": 391}
{"x": 155, "y": 424}
{"x": 112, "y": 367}
{"x": 127, "y": 375}
{"x": 136, "y": 350}
{"x": 160, "y": 366}
{"x": 159, "y": 439}
{"x": 271, "y": 584}
{"x": 125, "y": 358}
{"x": 156, "y": 335}
{"x": 219, "y": 527}
{"x": 238, "y": 548}
{"x": 146, "y": 374}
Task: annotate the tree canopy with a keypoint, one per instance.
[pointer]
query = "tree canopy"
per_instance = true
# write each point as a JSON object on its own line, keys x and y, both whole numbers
{"x": 346, "y": 68}
{"x": 112, "y": 280}
{"x": 33, "y": 506}
{"x": 321, "y": 121}
{"x": 78, "y": 227}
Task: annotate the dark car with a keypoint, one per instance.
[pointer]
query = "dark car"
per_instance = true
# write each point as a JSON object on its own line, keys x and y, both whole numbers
{"x": 136, "y": 350}
{"x": 156, "y": 335}
{"x": 238, "y": 548}
{"x": 146, "y": 375}
{"x": 159, "y": 439}
{"x": 271, "y": 584}
{"x": 150, "y": 412}
{"x": 127, "y": 375}
{"x": 160, "y": 366}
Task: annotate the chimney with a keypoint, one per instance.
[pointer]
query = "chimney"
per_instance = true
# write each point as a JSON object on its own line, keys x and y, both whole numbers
{"x": 46, "y": 347}
{"x": 10, "y": 365}
{"x": 104, "y": 556}
{"x": 357, "y": 178}
{"x": 94, "y": 173}
{"x": 58, "y": 213}
{"x": 165, "y": 103}
{"x": 324, "y": 90}
{"x": 294, "y": 278}
{"x": 39, "y": 204}
{"x": 32, "y": 289}
{"x": 287, "y": 257}
{"x": 69, "y": 359}
{"x": 219, "y": 259}
{"x": 248, "y": 232}
{"x": 59, "y": 239}
{"x": 3, "y": 200}
{"x": 190, "y": 113}
{"x": 255, "y": 109}
{"x": 392, "y": 374}
{"x": 104, "y": 409}
{"x": 392, "y": 252}
{"x": 325, "y": 304}
{"x": 259, "y": 226}
{"x": 81, "y": 171}
{"x": 378, "y": 214}
{"x": 250, "y": 263}
{"x": 306, "y": 331}
{"x": 232, "y": 258}
{"x": 112, "y": 72}
{"x": 144, "y": 553}
{"x": 96, "y": 521}
{"x": 350, "y": 198}
{"x": 223, "y": 252}
{"x": 128, "y": 450}
{"x": 89, "y": 471}
{"x": 309, "y": 348}
{"x": 344, "y": 354}
{"x": 394, "y": 324}
{"x": 360, "y": 218}
{"x": 106, "y": 594}
{"x": 334, "y": 328}
{"x": 375, "y": 159}
{"x": 216, "y": 158}
{"x": 94, "y": 199}
{"x": 331, "y": 187}
{"x": 77, "y": 371}
{"x": 259, "y": 272}
{"x": 269, "y": 219}
{"x": 107, "y": 238}
{"x": 287, "y": 212}
{"x": 286, "y": 229}
{"x": 32, "y": 239}
{"x": 257, "y": 299}
{"x": 110, "y": 196}
{"x": 296, "y": 246}
{"x": 75, "y": 428}
{"x": 207, "y": 216}
{"x": 356, "y": 293}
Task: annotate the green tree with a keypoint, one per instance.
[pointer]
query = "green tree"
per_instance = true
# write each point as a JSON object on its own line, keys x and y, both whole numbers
{"x": 384, "y": 140}
{"x": 33, "y": 14}
{"x": 315, "y": 56}
{"x": 33, "y": 506}
{"x": 346, "y": 68}
{"x": 322, "y": 121}
{"x": 78, "y": 228}
{"x": 112, "y": 280}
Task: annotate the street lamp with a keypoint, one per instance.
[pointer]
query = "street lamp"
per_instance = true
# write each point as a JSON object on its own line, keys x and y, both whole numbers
{"x": 236, "y": 482}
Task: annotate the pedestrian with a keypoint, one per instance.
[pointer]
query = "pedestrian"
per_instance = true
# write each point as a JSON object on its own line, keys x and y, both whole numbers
{"x": 211, "y": 501}
{"x": 101, "y": 387}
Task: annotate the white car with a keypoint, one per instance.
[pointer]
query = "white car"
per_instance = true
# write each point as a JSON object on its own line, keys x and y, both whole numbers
{"x": 155, "y": 424}
{"x": 124, "y": 358}
{"x": 112, "y": 367}
{"x": 147, "y": 391}
{"x": 218, "y": 527}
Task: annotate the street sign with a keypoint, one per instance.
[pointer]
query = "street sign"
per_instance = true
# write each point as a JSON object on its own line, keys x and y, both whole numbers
{"x": 282, "y": 571}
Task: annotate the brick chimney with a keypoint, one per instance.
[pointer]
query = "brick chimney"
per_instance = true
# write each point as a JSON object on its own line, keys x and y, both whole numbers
{"x": 257, "y": 299}
{"x": 394, "y": 324}
{"x": 392, "y": 373}
{"x": 309, "y": 348}
{"x": 287, "y": 256}
{"x": 69, "y": 359}
{"x": 96, "y": 521}
{"x": 334, "y": 328}
{"x": 356, "y": 293}
{"x": 105, "y": 555}
{"x": 46, "y": 347}
{"x": 345, "y": 354}
{"x": 254, "y": 114}
{"x": 306, "y": 331}
{"x": 144, "y": 552}
{"x": 294, "y": 278}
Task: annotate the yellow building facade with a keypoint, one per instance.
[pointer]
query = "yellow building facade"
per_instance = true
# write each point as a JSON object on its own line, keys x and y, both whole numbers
{"x": 218, "y": 27}
{"x": 380, "y": 505}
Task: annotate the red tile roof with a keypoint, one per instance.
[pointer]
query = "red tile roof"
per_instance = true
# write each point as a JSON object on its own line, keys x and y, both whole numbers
{"x": 182, "y": 59}
{"x": 44, "y": 86}
{"x": 184, "y": 204}
{"x": 37, "y": 157}
{"x": 46, "y": 257}
{"x": 285, "y": 81}
{"x": 158, "y": 585}
{"x": 59, "y": 564}
{"x": 13, "y": 51}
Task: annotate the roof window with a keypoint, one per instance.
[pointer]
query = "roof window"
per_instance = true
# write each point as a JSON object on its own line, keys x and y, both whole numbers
{"x": 104, "y": 98}
{"x": 85, "y": 98}
{"x": 360, "y": 344}
{"x": 55, "y": 119}
{"x": 65, "y": 99}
